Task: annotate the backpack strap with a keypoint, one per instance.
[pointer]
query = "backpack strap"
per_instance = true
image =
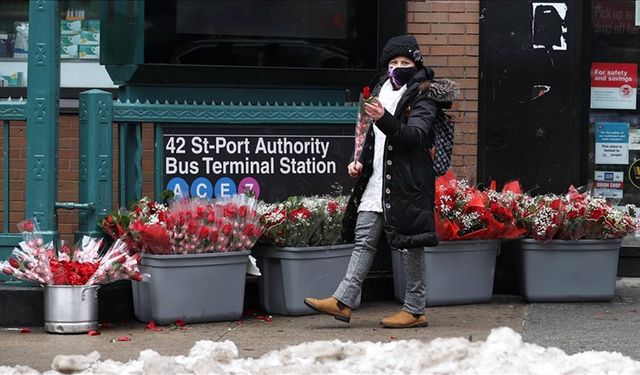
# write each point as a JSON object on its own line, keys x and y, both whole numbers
{"x": 443, "y": 143}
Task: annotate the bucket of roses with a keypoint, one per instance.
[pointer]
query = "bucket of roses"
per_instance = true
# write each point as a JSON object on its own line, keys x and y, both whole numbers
{"x": 572, "y": 245}
{"x": 196, "y": 254}
{"x": 70, "y": 275}
{"x": 299, "y": 253}
{"x": 469, "y": 223}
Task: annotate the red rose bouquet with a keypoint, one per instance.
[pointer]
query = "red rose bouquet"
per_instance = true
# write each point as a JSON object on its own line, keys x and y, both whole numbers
{"x": 273, "y": 217}
{"x": 82, "y": 264}
{"x": 503, "y": 207}
{"x": 201, "y": 226}
{"x": 363, "y": 123}
{"x": 117, "y": 224}
{"x": 303, "y": 221}
{"x": 332, "y": 211}
{"x": 575, "y": 216}
{"x": 464, "y": 212}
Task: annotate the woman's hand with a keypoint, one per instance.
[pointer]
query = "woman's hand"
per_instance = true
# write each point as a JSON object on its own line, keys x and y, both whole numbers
{"x": 374, "y": 109}
{"x": 355, "y": 168}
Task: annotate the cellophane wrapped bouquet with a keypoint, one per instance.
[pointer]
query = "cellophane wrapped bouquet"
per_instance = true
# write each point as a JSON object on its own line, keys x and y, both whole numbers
{"x": 303, "y": 221}
{"x": 464, "y": 212}
{"x": 144, "y": 211}
{"x": 575, "y": 216}
{"x": 86, "y": 263}
{"x": 363, "y": 122}
{"x": 194, "y": 226}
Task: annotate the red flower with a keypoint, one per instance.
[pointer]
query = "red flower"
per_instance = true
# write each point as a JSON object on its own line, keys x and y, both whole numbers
{"x": 366, "y": 92}
{"x": 14, "y": 263}
{"x": 28, "y": 226}
{"x": 180, "y": 323}
{"x": 230, "y": 210}
{"x": 226, "y": 229}
{"x": 204, "y": 232}
{"x": 332, "y": 207}
{"x": 242, "y": 211}
{"x": 300, "y": 214}
{"x": 213, "y": 235}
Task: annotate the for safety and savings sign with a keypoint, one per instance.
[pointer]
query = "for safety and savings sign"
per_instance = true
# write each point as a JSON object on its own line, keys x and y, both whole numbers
{"x": 613, "y": 86}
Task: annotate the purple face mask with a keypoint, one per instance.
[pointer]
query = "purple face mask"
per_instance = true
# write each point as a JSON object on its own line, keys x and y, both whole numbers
{"x": 400, "y": 76}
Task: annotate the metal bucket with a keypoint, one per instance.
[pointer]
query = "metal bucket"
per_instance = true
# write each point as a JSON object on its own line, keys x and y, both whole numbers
{"x": 70, "y": 308}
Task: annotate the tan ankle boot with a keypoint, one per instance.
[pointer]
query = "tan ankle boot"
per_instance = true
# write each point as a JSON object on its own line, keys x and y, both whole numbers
{"x": 404, "y": 319}
{"x": 330, "y": 306}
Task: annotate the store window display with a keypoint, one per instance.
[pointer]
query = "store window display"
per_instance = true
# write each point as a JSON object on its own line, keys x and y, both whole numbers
{"x": 79, "y": 44}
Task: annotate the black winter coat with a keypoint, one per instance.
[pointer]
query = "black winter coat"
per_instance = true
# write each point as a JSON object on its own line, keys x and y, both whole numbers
{"x": 408, "y": 177}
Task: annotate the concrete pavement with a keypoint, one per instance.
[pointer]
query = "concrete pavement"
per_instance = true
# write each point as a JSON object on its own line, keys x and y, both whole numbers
{"x": 574, "y": 327}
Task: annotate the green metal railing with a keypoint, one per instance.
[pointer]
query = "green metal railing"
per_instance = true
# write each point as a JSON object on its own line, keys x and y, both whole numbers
{"x": 98, "y": 111}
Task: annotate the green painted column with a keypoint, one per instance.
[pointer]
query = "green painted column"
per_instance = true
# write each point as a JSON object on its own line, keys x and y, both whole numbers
{"x": 43, "y": 84}
{"x": 96, "y": 168}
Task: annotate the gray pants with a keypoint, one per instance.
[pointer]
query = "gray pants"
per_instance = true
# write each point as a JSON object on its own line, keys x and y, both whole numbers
{"x": 367, "y": 234}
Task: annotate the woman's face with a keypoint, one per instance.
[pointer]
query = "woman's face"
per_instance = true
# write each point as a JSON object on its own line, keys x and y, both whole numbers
{"x": 401, "y": 62}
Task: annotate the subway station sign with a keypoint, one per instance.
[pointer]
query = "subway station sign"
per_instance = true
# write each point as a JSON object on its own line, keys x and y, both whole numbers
{"x": 273, "y": 161}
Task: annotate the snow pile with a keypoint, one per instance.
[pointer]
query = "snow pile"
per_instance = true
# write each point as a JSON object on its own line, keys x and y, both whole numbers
{"x": 502, "y": 352}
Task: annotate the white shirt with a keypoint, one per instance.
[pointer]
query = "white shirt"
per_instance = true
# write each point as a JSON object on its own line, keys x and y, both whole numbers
{"x": 372, "y": 196}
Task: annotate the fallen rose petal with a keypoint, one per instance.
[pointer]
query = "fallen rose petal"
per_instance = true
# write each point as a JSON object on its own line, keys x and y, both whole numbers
{"x": 261, "y": 317}
{"x": 105, "y": 325}
{"x": 393, "y": 337}
{"x": 151, "y": 325}
{"x": 25, "y": 330}
{"x": 93, "y": 333}
{"x": 180, "y": 323}
{"x": 269, "y": 319}
{"x": 124, "y": 338}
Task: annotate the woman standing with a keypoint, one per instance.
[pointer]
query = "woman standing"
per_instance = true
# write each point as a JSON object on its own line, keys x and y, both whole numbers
{"x": 394, "y": 194}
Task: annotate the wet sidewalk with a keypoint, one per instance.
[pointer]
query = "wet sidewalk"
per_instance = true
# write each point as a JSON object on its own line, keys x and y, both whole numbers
{"x": 573, "y": 327}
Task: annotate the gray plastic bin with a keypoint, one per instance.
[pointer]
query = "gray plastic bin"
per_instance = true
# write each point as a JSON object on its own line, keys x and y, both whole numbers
{"x": 455, "y": 272}
{"x": 290, "y": 274}
{"x": 194, "y": 288}
{"x": 569, "y": 271}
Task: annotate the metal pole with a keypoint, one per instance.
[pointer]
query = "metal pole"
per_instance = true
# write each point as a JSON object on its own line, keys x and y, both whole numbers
{"x": 42, "y": 114}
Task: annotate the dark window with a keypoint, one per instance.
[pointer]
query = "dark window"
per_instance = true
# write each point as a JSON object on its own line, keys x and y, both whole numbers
{"x": 334, "y": 34}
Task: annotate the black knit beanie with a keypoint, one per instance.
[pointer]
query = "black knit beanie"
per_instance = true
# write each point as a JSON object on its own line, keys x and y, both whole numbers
{"x": 401, "y": 45}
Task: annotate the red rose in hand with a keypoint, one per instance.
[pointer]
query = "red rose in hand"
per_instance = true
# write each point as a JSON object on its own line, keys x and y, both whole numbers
{"x": 366, "y": 92}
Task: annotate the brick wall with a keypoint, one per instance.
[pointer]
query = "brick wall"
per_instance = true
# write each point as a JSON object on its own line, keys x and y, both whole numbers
{"x": 67, "y": 171}
{"x": 447, "y": 32}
